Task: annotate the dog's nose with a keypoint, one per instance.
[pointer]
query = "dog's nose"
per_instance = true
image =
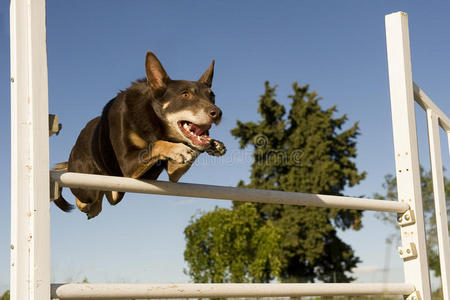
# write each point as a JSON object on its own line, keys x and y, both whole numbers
{"x": 215, "y": 113}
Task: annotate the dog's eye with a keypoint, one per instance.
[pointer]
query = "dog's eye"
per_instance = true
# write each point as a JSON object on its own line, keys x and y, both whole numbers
{"x": 185, "y": 94}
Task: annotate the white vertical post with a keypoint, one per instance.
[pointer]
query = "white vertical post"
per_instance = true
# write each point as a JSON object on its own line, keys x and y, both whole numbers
{"x": 30, "y": 218}
{"x": 406, "y": 152}
{"x": 439, "y": 200}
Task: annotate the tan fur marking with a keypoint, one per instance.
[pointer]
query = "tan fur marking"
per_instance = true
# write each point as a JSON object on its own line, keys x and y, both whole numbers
{"x": 91, "y": 209}
{"x": 115, "y": 195}
{"x": 199, "y": 117}
{"x": 136, "y": 140}
{"x": 82, "y": 206}
{"x": 165, "y": 105}
{"x": 175, "y": 171}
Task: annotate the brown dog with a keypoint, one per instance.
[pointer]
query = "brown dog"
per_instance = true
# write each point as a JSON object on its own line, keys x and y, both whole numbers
{"x": 155, "y": 124}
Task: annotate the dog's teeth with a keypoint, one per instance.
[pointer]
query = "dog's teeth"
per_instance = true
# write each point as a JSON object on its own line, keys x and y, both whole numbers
{"x": 185, "y": 126}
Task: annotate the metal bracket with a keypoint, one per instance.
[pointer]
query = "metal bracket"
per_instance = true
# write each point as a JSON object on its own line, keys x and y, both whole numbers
{"x": 54, "y": 189}
{"x": 406, "y": 218}
{"x": 414, "y": 296}
{"x": 53, "y": 126}
{"x": 408, "y": 252}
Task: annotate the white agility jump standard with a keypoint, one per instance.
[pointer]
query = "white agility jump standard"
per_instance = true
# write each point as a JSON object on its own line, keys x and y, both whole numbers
{"x": 30, "y": 219}
{"x": 30, "y": 211}
{"x": 403, "y": 94}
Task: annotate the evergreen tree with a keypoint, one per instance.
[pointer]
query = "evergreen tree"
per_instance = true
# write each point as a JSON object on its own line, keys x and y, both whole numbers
{"x": 306, "y": 152}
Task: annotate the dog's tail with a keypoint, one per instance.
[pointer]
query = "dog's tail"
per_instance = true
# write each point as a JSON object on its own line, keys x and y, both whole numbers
{"x": 61, "y": 202}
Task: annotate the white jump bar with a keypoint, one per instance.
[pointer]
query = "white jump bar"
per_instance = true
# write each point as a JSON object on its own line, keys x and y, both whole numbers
{"x": 223, "y": 290}
{"x": 426, "y": 103}
{"x": 124, "y": 184}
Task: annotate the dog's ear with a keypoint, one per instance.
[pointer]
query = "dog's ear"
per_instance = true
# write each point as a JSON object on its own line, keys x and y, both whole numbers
{"x": 207, "y": 77}
{"x": 157, "y": 77}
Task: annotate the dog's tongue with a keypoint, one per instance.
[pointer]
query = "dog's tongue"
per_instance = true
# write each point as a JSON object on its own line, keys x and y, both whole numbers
{"x": 200, "y": 129}
{"x": 200, "y": 137}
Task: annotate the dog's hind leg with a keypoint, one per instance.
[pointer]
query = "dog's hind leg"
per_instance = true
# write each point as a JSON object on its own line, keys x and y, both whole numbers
{"x": 89, "y": 202}
{"x": 114, "y": 197}
{"x": 95, "y": 208}
{"x": 84, "y": 207}
{"x": 90, "y": 209}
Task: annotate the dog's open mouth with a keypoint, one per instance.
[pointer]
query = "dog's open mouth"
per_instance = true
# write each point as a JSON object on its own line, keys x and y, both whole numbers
{"x": 197, "y": 134}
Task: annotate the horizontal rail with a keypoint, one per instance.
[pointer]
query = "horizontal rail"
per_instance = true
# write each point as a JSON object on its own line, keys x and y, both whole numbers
{"x": 124, "y": 184}
{"x": 223, "y": 290}
{"x": 426, "y": 103}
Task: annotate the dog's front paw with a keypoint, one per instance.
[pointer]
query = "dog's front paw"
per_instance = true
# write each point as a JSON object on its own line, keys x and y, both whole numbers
{"x": 182, "y": 154}
{"x": 217, "y": 148}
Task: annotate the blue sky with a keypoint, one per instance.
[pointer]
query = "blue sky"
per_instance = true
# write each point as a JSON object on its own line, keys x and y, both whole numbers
{"x": 96, "y": 48}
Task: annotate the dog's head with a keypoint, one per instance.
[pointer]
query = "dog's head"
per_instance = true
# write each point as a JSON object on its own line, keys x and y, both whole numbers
{"x": 187, "y": 108}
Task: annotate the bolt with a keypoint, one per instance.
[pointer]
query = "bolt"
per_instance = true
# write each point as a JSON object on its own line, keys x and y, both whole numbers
{"x": 12, "y": 247}
{"x": 12, "y": 79}
{"x": 400, "y": 251}
{"x": 408, "y": 251}
{"x": 407, "y": 217}
{"x": 399, "y": 219}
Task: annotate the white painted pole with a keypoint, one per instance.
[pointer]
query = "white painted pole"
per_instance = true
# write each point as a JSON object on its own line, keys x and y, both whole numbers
{"x": 426, "y": 103}
{"x": 30, "y": 220}
{"x": 123, "y": 184}
{"x": 406, "y": 152}
{"x": 439, "y": 200}
{"x": 224, "y": 290}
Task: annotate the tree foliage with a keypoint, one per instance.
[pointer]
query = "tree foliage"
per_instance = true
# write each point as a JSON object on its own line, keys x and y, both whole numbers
{"x": 5, "y": 296}
{"x": 390, "y": 187}
{"x": 306, "y": 151}
{"x": 232, "y": 246}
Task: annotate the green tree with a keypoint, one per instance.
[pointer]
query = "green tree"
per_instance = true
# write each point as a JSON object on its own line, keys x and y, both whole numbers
{"x": 390, "y": 187}
{"x": 5, "y": 296}
{"x": 232, "y": 246}
{"x": 307, "y": 151}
